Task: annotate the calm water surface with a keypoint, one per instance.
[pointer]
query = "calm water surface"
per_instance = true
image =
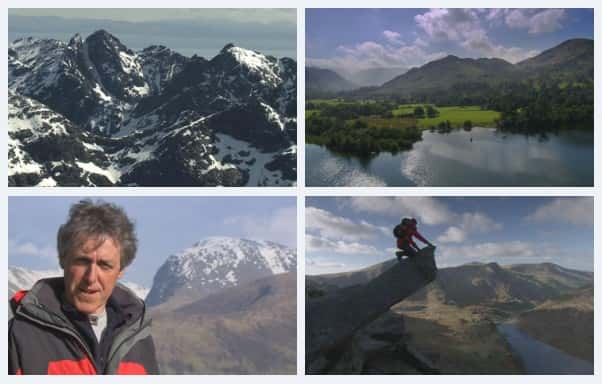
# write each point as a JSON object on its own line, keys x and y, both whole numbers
{"x": 453, "y": 159}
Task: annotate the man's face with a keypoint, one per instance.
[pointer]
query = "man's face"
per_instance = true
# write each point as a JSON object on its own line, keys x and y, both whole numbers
{"x": 91, "y": 272}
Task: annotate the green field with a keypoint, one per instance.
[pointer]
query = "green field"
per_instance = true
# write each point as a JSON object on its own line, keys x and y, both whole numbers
{"x": 456, "y": 115}
{"x": 309, "y": 112}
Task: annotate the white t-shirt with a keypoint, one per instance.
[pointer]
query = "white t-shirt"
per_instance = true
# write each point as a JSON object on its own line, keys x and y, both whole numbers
{"x": 98, "y": 323}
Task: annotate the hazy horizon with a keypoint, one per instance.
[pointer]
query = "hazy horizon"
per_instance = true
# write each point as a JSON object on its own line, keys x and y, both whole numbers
{"x": 188, "y": 32}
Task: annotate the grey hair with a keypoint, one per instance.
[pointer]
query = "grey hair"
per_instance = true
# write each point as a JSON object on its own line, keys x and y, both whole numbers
{"x": 98, "y": 221}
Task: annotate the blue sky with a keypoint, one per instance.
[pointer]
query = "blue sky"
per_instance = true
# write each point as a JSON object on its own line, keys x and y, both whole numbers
{"x": 348, "y": 40}
{"x": 344, "y": 234}
{"x": 165, "y": 225}
{"x": 188, "y": 31}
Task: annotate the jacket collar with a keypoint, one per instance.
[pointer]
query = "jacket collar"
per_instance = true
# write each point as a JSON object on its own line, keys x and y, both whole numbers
{"x": 45, "y": 301}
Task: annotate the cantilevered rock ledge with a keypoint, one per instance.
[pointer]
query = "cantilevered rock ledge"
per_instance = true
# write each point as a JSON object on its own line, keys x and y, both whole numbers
{"x": 332, "y": 319}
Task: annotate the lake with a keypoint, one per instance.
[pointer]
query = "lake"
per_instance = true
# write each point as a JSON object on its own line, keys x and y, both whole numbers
{"x": 542, "y": 359}
{"x": 481, "y": 157}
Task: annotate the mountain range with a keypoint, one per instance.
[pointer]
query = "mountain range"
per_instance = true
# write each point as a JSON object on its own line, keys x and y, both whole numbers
{"x": 572, "y": 60}
{"x": 450, "y": 325}
{"x": 92, "y": 112}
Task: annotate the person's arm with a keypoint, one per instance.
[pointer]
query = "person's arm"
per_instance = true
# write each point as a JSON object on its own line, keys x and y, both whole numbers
{"x": 419, "y": 237}
{"x": 14, "y": 366}
{"x": 152, "y": 365}
{"x": 413, "y": 244}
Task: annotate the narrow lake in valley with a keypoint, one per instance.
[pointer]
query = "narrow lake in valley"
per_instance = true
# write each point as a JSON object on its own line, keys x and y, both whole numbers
{"x": 542, "y": 359}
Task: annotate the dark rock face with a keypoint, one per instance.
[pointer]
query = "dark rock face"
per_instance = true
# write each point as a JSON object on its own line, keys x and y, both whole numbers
{"x": 117, "y": 68}
{"x": 248, "y": 122}
{"x": 160, "y": 64}
{"x": 151, "y": 117}
{"x": 333, "y": 318}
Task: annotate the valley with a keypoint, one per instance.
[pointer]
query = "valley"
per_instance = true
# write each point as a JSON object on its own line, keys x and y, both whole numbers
{"x": 547, "y": 97}
{"x": 451, "y": 325}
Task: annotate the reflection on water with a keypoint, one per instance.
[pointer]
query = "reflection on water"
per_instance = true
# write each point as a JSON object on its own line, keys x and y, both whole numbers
{"x": 481, "y": 157}
{"x": 540, "y": 358}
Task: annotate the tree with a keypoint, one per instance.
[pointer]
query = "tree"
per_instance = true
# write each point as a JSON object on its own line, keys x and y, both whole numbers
{"x": 419, "y": 112}
{"x": 467, "y": 125}
{"x": 431, "y": 112}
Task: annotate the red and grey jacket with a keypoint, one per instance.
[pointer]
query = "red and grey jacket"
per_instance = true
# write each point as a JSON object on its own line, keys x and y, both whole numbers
{"x": 406, "y": 239}
{"x": 42, "y": 340}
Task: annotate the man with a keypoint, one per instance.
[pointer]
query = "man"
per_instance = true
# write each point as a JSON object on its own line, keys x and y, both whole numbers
{"x": 404, "y": 232}
{"x": 84, "y": 322}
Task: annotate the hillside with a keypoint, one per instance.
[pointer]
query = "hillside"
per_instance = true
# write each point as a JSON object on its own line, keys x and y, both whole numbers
{"x": 324, "y": 82}
{"x": 571, "y": 55}
{"x": 248, "y": 329}
{"x": 444, "y": 73}
{"x": 450, "y": 324}
{"x": 454, "y": 77}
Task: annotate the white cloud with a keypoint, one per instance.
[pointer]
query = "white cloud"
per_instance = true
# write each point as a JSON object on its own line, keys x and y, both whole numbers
{"x": 331, "y": 226}
{"x": 464, "y": 27}
{"x": 448, "y": 24}
{"x": 31, "y": 249}
{"x": 536, "y": 21}
{"x": 517, "y": 18}
{"x": 479, "y": 222}
{"x": 426, "y": 209}
{"x": 321, "y": 244}
{"x": 420, "y": 42}
{"x": 469, "y": 222}
{"x": 370, "y": 54}
{"x": 392, "y": 37}
{"x": 429, "y": 211}
{"x": 480, "y": 43}
{"x": 452, "y": 235}
{"x": 574, "y": 210}
{"x": 546, "y": 21}
{"x": 319, "y": 266}
{"x": 493, "y": 252}
{"x": 279, "y": 226}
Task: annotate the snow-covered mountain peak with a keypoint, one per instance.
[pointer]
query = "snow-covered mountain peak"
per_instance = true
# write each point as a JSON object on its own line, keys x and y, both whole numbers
{"x": 251, "y": 59}
{"x": 222, "y": 249}
{"x": 264, "y": 66}
{"x": 219, "y": 262}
